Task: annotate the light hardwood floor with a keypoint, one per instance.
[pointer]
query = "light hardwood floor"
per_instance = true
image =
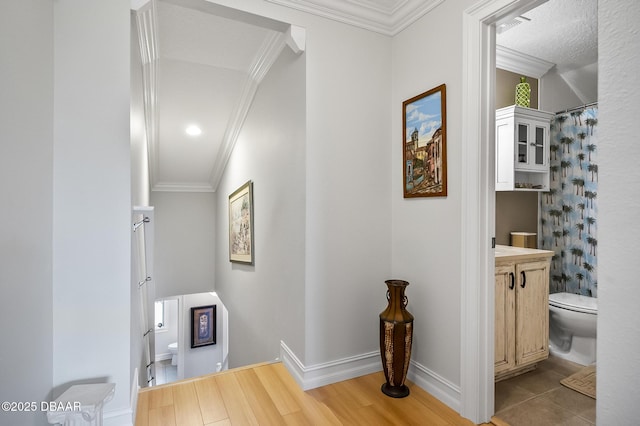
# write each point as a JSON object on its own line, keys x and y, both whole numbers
{"x": 266, "y": 394}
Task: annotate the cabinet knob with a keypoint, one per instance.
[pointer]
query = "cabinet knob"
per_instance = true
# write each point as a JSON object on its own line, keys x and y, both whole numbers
{"x": 513, "y": 281}
{"x": 524, "y": 279}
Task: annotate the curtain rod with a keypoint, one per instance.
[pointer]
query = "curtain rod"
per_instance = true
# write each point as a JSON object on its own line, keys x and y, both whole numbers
{"x": 578, "y": 107}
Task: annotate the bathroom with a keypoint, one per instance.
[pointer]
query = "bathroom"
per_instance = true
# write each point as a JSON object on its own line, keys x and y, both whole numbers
{"x": 562, "y": 216}
{"x": 177, "y": 355}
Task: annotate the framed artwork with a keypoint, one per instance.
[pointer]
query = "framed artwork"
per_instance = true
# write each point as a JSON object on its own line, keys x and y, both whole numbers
{"x": 241, "y": 224}
{"x": 424, "y": 166}
{"x": 203, "y": 326}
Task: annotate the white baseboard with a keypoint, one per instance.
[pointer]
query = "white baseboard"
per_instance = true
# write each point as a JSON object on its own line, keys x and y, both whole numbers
{"x": 118, "y": 417}
{"x": 347, "y": 368}
{"x": 330, "y": 372}
{"x": 436, "y": 385}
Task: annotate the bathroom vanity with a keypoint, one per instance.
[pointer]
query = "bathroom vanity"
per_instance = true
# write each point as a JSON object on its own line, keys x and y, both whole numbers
{"x": 521, "y": 309}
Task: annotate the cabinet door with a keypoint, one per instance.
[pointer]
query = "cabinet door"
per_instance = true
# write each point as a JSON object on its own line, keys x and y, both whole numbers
{"x": 538, "y": 145}
{"x": 531, "y": 144}
{"x": 523, "y": 136}
{"x": 504, "y": 350}
{"x": 505, "y": 179}
{"x": 532, "y": 312}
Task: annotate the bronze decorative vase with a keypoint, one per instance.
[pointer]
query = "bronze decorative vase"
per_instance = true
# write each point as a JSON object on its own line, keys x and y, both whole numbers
{"x": 396, "y": 335}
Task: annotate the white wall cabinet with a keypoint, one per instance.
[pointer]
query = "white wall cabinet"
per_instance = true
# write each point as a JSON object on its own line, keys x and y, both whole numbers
{"x": 522, "y": 149}
{"x": 521, "y": 309}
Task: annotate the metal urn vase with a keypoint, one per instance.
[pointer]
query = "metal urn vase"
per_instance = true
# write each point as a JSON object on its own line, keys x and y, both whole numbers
{"x": 396, "y": 335}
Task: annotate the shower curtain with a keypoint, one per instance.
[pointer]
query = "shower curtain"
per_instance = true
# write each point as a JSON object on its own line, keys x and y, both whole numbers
{"x": 568, "y": 212}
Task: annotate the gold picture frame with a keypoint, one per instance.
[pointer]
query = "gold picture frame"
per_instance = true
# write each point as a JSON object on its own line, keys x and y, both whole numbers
{"x": 424, "y": 151}
{"x": 241, "y": 241}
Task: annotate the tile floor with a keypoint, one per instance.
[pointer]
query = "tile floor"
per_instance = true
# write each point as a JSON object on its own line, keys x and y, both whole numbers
{"x": 538, "y": 398}
{"x": 165, "y": 372}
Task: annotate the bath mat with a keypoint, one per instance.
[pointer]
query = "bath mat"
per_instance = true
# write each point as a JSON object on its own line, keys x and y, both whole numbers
{"x": 584, "y": 381}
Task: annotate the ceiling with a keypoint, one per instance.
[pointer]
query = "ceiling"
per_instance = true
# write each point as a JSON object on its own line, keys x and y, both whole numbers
{"x": 202, "y": 64}
{"x": 564, "y": 33}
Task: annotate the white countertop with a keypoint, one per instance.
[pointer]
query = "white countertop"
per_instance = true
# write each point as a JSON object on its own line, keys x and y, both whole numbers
{"x": 520, "y": 253}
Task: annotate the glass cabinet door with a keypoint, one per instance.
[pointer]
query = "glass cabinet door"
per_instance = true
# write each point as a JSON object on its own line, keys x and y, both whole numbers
{"x": 539, "y": 145}
{"x": 523, "y": 143}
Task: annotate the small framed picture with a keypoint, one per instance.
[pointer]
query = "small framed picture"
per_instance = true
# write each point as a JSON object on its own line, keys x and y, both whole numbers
{"x": 203, "y": 326}
{"x": 241, "y": 225}
{"x": 424, "y": 166}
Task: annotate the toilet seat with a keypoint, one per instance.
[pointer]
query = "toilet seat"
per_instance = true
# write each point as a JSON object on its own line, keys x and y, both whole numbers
{"x": 574, "y": 302}
{"x": 173, "y": 346}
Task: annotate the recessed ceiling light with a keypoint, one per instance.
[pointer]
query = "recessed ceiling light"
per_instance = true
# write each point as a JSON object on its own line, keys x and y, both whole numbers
{"x": 193, "y": 130}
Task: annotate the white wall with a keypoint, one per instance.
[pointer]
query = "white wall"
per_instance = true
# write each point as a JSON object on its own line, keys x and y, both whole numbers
{"x": 426, "y": 231}
{"x": 618, "y": 231}
{"x": 555, "y": 93}
{"x": 26, "y": 194}
{"x": 348, "y": 185}
{"x": 266, "y": 300}
{"x": 348, "y": 189}
{"x": 184, "y": 242}
{"x": 92, "y": 197}
{"x": 200, "y": 360}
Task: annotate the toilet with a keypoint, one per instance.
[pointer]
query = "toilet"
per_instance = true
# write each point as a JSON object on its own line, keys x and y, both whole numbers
{"x": 173, "y": 350}
{"x": 572, "y": 327}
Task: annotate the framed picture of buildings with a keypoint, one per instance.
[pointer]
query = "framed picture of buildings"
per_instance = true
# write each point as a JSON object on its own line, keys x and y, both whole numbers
{"x": 203, "y": 326}
{"x": 241, "y": 224}
{"x": 424, "y": 119}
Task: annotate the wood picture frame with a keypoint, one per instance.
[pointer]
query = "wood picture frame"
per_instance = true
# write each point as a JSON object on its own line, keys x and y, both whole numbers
{"x": 203, "y": 326}
{"x": 241, "y": 241}
{"x": 424, "y": 151}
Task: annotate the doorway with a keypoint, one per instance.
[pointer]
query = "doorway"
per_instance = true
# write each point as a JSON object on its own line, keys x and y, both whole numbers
{"x": 478, "y": 201}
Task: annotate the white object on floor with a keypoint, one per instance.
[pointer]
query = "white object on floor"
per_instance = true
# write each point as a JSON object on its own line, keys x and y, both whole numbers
{"x": 81, "y": 405}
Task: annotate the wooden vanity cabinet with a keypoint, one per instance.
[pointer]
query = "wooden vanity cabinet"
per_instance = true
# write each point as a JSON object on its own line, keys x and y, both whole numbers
{"x": 521, "y": 313}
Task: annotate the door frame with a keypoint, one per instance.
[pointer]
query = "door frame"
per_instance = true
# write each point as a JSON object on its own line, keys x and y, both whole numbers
{"x": 478, "y": 202}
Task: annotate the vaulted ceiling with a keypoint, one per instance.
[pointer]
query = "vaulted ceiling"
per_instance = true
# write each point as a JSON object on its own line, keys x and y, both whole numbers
{"x": 202, "y": 64}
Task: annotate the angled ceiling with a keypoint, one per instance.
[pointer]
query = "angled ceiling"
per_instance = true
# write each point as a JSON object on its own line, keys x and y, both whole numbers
{"x": 563, "y": 33}
{"x": 203, "y": 62}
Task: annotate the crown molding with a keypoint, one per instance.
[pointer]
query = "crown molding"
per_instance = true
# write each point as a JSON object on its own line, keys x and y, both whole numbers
{"x": 147, "y": 24}
{"x": 384, "y": 20}
{"x": 265, "y": 58}
{"x": 520, "y": 63}
{"x": 296, "y": 39}
{"x": 138, "y": 4}
{"x": 182, "y": 187}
